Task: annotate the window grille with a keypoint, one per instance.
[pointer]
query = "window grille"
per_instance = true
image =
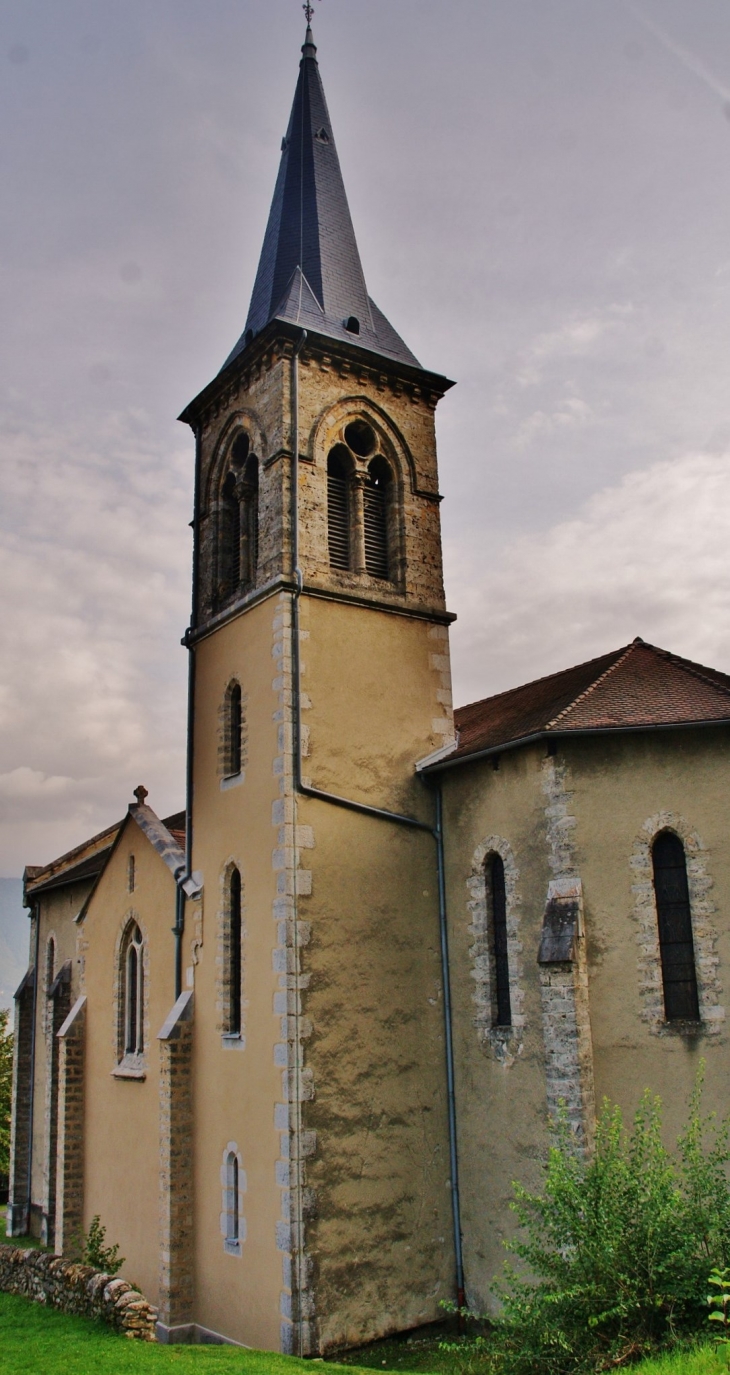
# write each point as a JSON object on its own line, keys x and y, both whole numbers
{"x": 234, "y": 955}
{"x": 338, "y": 512}
{"x": 134, "y": 994}
{"x": 497, "y": 913}
{"x": 131, "y": 874}
{"x": 676, "y": 945}
{"x": 376, "y": 502}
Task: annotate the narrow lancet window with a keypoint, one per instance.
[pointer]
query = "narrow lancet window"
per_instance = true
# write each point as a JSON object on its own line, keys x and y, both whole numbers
{"x": 497, "y": 910}
{"x": 134, "y": 994}
{"x": 50, "y": 963}
{"x": 676, "y": 945}
{"x": 338, "y": 510}
{"x": 376, "y": 497}
{"x": 234, "y": 955}
{"x": 235, "y": 731}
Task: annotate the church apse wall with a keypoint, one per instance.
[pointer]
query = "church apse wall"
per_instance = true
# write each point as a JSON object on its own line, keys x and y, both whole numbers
{"x": 584, "y": 816}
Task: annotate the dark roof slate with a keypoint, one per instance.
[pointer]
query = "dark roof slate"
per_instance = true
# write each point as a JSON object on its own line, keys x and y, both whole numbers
{"x": 310, "y": 273}
{"x": 638, "y": 685}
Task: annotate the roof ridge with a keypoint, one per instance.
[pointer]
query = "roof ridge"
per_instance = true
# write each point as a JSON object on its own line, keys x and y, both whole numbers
{"x": 546, "y": 677}
{"x": 694, "y": 670}
{"x": 595, "y": 684}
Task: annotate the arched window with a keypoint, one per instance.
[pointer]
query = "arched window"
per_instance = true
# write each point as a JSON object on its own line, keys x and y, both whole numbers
{"x": 234, "y": 955}
{"x": 679, "y": 974}
{"x": 338, "y": 507}
{"x": 497, "y": 926}
{"x": 134, "y": 992}
{"x": 234, "y": 1217}
{"x": 233, "y": 1179}
{"x": 235, "y": 731}
{"x": 239, "y": 519}
{"x": 376, "y": 498}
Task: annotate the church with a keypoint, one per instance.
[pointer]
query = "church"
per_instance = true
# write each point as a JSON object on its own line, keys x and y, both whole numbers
{"x": 294, "y": 1043}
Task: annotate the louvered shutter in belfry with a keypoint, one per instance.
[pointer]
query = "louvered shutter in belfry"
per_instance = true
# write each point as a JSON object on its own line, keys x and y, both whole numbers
{"x": 338, "y": 519}
{"x": 676, "y": 945}
{"x": 376, "y": 531}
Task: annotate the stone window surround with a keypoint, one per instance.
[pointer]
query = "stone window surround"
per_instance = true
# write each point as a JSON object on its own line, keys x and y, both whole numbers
{"x": 229, "y": 1040}
{"x": 328, "y": 432}
{"x": 227, "y": 780}
{"x": 504, "y": 1043}
{"x": 132, "y": 1067}
{"x": 704, "y": 932}
{"x": 232, "y": 1244}
{"x": 242, "y": 422}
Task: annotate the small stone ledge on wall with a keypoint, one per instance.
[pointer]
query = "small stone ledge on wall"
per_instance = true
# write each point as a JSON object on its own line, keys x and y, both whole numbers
{"x": 77, "y": 1289}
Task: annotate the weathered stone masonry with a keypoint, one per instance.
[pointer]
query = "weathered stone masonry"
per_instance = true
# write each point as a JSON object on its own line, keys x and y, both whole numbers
{"x": 70, "y": 1151}
{"x": 176, "y": 1173}
{"x": 563, "y": 968}
{"x": 77, "y": 1289}
{"x": 20, "y": 1132}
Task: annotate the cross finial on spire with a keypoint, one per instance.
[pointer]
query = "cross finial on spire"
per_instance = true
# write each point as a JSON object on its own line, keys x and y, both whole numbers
{"x": 309, "y": 11}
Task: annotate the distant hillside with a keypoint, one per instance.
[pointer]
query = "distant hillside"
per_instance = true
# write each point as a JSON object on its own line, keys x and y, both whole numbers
{"x": 14, "y": 928}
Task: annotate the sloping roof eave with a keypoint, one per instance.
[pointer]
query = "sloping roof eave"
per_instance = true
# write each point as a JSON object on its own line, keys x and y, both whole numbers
{"x": 565, "y": 733}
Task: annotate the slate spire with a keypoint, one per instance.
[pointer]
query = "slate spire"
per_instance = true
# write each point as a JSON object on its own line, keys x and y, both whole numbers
{"x": 310, "y": 272}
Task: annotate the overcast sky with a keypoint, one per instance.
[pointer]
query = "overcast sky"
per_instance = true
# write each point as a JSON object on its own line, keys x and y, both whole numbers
{"x": 540, "y": 191}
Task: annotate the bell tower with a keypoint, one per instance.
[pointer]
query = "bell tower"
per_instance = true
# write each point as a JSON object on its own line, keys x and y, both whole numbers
{"x": 321, "y": 673}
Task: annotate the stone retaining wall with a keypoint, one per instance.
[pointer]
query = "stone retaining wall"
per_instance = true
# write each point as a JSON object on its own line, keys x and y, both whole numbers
{"x": 78, "y": 1289}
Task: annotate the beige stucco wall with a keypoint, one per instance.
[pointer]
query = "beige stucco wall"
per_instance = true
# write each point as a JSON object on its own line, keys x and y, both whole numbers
{"x": 121, "y": 1137}
{"x": 593, "y": 809}
{"x": 381, "y": 1236}
{"x": 378, "y": 1230}
{"x": 236, "y": 1088}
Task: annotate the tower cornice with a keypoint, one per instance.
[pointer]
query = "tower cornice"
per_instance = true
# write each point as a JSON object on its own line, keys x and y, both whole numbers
{"x": 278, "y": 340}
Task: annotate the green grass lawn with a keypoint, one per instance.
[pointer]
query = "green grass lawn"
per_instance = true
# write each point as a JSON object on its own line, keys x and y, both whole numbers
{"x": 39, "y": 1341}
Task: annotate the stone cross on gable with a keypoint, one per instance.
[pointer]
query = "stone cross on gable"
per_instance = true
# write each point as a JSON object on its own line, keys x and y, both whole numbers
{"x": 141, "y": 794}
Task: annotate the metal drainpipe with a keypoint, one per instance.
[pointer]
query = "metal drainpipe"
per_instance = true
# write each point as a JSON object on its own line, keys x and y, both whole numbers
{"x": 396, "y": 817}
{"x": 32, "y": 1066}
{"x": 182, "y": 877}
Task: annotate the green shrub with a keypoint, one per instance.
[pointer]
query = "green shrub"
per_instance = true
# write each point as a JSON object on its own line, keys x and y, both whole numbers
{"x": 106, "y": 1258}
{"x": 619, "y": 1246}
{"x": 6, "y": 1089}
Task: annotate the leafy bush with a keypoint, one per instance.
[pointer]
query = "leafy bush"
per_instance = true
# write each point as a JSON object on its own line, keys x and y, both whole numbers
{"x": 620, "y": 1245}
{"x": 106, "y": 1258}
{"x": 6, "y": 1088}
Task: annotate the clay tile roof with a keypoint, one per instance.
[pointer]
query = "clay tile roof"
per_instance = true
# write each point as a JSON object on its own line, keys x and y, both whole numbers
{"x": 634, "y": 687}
{"x": 83, "y": 862}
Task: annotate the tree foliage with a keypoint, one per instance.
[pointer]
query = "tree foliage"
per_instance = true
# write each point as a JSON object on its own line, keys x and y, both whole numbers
{"x": 6, "y": 1087}
{"x": 616, "y": 1250}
